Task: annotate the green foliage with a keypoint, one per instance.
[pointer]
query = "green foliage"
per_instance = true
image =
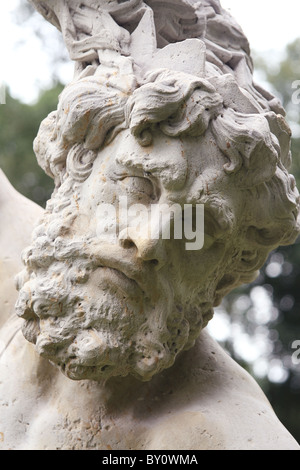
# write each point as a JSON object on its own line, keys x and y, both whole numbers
{"x": 281, "y": 77}
{"x": 287, "y": 72}
{"x": 19, "y": 124}
{"x": 282, "y": 81}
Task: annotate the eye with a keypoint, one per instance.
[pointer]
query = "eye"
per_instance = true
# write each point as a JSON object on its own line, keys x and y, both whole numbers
{"x": 139, "y": 187}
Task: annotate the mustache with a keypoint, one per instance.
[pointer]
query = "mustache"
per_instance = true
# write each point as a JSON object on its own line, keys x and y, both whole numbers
{"x": 90, "y": 254}
{"x": 72, "y": 262}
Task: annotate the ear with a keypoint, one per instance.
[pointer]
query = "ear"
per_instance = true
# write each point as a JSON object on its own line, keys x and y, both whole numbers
{"x": 245, "y": 270}
{"x": 251, "y": 260}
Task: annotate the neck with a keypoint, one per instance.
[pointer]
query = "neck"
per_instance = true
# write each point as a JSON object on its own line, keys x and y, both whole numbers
{"x": 121, "y": 394}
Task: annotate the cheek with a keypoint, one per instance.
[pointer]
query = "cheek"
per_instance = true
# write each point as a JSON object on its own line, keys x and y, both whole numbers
{"x": 194, "y": 269}
{"x": 97, "y": 190}
{"x": 94, "y": 193}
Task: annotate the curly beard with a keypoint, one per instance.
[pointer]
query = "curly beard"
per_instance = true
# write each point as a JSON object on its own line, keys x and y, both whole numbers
{"x": 94, "y": 323}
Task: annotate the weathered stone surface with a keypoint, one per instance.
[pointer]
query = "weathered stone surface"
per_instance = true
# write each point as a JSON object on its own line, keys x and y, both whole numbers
{"x": 162, "y": 112}
{"x": 206, "y": 401}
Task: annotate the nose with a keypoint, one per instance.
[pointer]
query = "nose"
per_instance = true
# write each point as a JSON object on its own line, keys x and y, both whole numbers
{"x": 146, "y": 249}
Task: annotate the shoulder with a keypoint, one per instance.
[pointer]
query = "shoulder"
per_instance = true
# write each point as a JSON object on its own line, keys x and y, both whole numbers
{"x": 186, "y": 430}
{"x": 220, "y": 407}
{"x": 18, "y": 216}
{"x": 25, "y": 393}
{"x": 197, "y": 430}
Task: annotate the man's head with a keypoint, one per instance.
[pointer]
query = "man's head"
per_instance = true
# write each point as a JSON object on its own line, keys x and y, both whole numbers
{"x": 99, "y": 306}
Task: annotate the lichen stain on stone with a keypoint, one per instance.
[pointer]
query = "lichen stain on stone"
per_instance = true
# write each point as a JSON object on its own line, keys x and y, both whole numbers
{"x": 75, "y": 197}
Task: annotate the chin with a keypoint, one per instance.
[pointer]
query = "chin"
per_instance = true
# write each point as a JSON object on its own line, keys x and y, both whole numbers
{"x": 100, "y": 329}
{"x": 102, "y": 368}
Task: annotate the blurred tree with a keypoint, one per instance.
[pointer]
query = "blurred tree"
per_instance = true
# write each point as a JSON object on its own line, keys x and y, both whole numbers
{"x": 281, "y": 77}
{"x": 25, "y": 16}
{"x": 19, "y": 124}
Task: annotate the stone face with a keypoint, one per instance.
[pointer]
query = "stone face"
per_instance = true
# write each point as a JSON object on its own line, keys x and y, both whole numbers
{"x": 161, "y": 122}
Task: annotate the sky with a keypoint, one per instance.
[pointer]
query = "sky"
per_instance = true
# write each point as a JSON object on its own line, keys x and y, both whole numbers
{"x": 268, "y": 24}
{"x": 25, "y": 64}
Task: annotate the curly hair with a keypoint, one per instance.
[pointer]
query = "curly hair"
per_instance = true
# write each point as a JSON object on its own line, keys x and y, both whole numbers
{"x": 254, "y": 142}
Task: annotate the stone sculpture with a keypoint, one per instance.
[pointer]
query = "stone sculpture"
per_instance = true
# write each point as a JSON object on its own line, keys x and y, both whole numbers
{"x": 162, "y": 111}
